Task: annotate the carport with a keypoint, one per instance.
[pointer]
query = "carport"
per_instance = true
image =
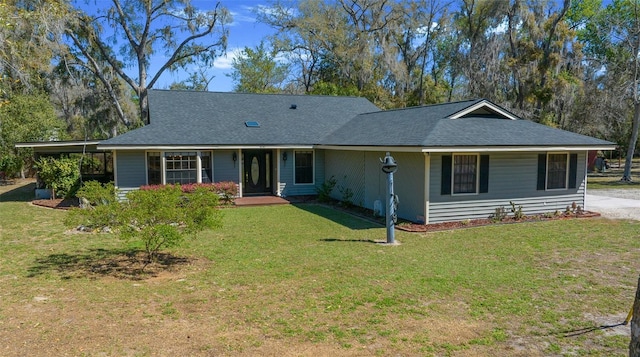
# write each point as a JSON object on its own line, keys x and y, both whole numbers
{"x": 95, "y": 164}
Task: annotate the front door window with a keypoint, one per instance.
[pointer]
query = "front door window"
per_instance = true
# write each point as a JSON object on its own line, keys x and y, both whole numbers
{"x": 256, "y": 171}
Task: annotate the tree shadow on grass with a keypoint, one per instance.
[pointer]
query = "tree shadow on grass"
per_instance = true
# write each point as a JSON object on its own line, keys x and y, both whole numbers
{"x": 350, "y": 240}
{"x": 586, "y": 330}
{"x": 348, "y": 218}
{"x": 22, "y": 193}
{"x": 114, "y": 263}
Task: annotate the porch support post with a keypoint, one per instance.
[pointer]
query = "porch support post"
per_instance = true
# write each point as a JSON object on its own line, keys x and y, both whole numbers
{"x": 240, "y": 177}
{"x": 198, "y": 167}
{"x": 427, "y": 178}
{"x": 278, "y": 157}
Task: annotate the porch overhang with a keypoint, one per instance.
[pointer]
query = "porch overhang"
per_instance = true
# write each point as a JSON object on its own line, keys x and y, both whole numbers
{"x": 200, "y": 147}
{"x": 449, "y": 149}
{"x": 57, "y": 147}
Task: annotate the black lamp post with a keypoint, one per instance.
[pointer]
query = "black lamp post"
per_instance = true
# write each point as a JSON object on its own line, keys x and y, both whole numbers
{"x": 389, "y": 166}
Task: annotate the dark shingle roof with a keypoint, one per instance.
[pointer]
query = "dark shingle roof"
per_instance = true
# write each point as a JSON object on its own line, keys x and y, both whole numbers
{"x": 213, "y": 118}
{"x": 431, "y": 126}
{"x": 186, "y": 118}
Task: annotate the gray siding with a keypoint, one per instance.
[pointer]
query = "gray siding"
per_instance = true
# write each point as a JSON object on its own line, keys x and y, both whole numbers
{"x": 224, "y": 168}
{"x": 375, "y": 181}
{"x": 409, "y": 184}
{"x": 348, "y": 169}
{"x": 512, "y": 177}
{"x": 287, "y": 185}
{"x": 130, "y": 168}
{"x": 361, "y": 173}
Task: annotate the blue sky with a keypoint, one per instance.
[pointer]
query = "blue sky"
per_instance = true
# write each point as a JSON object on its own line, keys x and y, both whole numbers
{"x": 244, "y": 31}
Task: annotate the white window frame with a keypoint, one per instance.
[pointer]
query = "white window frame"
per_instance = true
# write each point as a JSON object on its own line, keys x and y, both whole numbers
{"x": 453, "y": 175}
{"x": 313, "y": 167}
{"x": 163, "y": 164}
{"x": 566, "y": 172}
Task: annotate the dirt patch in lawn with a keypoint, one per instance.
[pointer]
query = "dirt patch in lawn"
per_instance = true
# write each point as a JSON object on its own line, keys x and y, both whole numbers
{"x": 118, "y": 264}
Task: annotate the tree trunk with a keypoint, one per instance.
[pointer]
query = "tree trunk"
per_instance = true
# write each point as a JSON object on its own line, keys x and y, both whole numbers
{"x": 634, "y": 345}
{"x": 632, "y": 142}
{"x": 144, "y": 106}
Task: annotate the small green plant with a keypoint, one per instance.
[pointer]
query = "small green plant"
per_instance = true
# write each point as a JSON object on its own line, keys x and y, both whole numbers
{"x": 97, "y": 193}
{"x": 517, "y": 211}
{"x": 101, "y": 209}
{"x": 160, "y": 218}
{"x": 465, "y": 222}
{"x": 226, "y": 190}
{"x": 347, "y": 194}
{"x": 574, "y": 209}
{"x": 498, "y": 215}
{"x": 325, "y": 189}
{"x": 61, "y": 175}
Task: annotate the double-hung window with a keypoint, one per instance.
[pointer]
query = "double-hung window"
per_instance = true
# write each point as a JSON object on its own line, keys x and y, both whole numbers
{"x": 557, "y": 169}
{"x": 465, "y": 174}
{"x": 303, "y": 167}
{"x": 181, "y": 167}
{"x": 171, "y": 167}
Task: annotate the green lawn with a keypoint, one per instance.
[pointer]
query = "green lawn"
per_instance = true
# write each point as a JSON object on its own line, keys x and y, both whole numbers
{"x": 308, "y": 281}
{"x": 611, "y": 177}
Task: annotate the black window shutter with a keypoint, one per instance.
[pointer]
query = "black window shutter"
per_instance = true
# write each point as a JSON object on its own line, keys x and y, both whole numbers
{"x": 484, "y": 173}
{"x": 542, "y": 171}
{"x": 446, "y": 175}
{"x": 573, "y": 170}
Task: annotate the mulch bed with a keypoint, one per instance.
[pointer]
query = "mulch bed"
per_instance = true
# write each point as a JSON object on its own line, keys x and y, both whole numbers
{"x": 58, "y": 203}
{"x": 434, "y": 227}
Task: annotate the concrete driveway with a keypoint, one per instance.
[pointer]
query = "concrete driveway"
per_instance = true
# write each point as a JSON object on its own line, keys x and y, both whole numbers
{"x": 614, "y": 203}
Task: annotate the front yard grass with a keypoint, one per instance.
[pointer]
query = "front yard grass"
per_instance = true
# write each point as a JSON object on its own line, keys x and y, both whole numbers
{"x": 310, "y": 281}
{"x": 610, "y": 179}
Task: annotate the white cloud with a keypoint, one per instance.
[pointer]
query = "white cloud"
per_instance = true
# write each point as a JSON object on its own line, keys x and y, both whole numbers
{"x": 225, "y": 62}
{"x": 239, "y": 18}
